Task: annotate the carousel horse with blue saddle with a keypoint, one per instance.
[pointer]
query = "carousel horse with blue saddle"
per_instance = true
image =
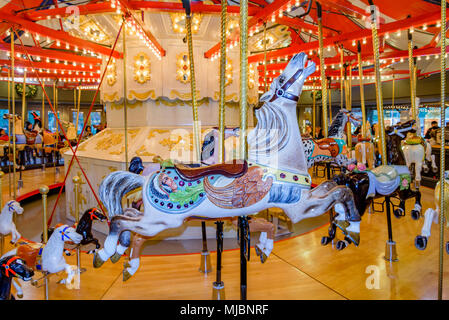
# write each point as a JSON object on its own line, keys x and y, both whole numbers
{"x": 274, "y": 175}
{"x": 393, "y": 179}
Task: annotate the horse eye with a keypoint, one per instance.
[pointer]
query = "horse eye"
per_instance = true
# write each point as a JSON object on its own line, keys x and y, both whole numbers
{"x": 212, "y": 152}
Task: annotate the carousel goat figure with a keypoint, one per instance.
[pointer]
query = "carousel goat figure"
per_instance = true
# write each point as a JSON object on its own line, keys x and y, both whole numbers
{"x": 48, "y": 258}
{"x": 7, "y": 225}
{"x": 13, "y": 266}
{"x": 432, "y": 215}
{"x": 364, "y": 149}
{"x": 240, "y": 188}
{"x": 334, "y": 146}
{"x": 386, "y": 180}
{"x": 84, "y": 228}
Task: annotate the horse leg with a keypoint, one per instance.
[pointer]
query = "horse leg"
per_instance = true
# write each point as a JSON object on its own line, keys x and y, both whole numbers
{"x": 434, "y": 165}
{"x": 124, "y": 241}
{"x": 15, "y": 235}
{"x": 134, "y": 259}
{"x": 418, "y": 168}
{"x": 18, "y": 287}
{"x": 421, "y": 240}
{"x": 266, "y": 239}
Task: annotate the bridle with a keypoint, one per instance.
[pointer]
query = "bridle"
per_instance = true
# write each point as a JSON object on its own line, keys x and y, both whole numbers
{"x": 93, "y": 215}
{"x": 282, "y": 91}
{"x": 63, "y": 234}
{"x": 399, "y": 132}
{"x": 8, "y": 268}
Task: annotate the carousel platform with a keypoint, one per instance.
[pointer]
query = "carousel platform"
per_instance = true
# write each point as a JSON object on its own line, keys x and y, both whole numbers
{"x": 298, "y": 268}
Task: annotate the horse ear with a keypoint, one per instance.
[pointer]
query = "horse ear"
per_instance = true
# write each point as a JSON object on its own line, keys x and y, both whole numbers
{"x": 59, "y": 225}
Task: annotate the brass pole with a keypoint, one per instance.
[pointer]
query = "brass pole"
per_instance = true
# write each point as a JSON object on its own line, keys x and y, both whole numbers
{"x": 125, "y": 91}
{"x": 392, "y": 98}
{"x": 265, "y": 56}
{"x": 196, "y": 129}
{"x": 24, "y": 115}
{"x": 13, "y": 95}
{"x": 362, "y": 91}
{"x": 221, "y": 116}
{"x": 78, "y": 110}
{"x": 349, "y": 108}
{"x": 9, "y": 132}
{"x": 44, "y": 191}
{"x": 379, "y": 99}
{"x": 322, "y": 70}
{"x": 313, "y": 112}
{"x": 442, "y": 147}
{"x": 341, "y": 77}
{"x": 243, "y": 76}
{"x": 329, "y": 82}
{"x": 43, "y": 108}
{"x": 412, "y": 76}
{"x": 76, "y": 185}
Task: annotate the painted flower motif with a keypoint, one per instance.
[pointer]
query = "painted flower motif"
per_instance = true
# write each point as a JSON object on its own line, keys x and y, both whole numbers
{"x": 404, "y": 183}
{"x": 351, "y": 167}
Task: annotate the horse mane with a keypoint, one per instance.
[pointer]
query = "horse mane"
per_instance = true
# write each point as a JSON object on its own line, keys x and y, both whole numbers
{"x": 336, "y": 124}
{"x": 271, "y": 131}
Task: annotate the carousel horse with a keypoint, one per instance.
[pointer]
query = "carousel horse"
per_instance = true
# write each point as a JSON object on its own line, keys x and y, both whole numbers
{"x": 84, "y": 228}
{"x": 431, "y": 215}
{"x": 48, "y": 258}
{"x": 263, "y": 247}
{"x": 385, "y": 180}
{"x": 418, "y": 151}
{"x": 239, "y": 188}
{"x": 364, "y": 149}
{"x": 334, "y": 146}
{"x": 7, "y": 225}
{"x": 12, "y": 266}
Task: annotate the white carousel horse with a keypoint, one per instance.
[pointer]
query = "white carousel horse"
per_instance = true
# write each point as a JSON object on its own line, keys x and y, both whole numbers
{"x": 334, "y": 146}
{"x": 48, "y": 258}
{"x": 242, "y": 188}
{"x": 7, "y": 225}
{"x": 418, "y": 151}
{"x": 432, "y": 215}
{"x": 364, "y": 149}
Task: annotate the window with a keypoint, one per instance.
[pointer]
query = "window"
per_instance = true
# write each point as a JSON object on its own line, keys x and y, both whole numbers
{"x": 80, "y": 121}
{"x": 30, "y": 115}
{"x": 52, "y": 123}
{"x": 95, "y": 119}
{"x": 4, "y": 122}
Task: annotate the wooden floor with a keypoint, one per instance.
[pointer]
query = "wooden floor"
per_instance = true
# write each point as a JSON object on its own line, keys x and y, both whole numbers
{"x": 299, "y": 268}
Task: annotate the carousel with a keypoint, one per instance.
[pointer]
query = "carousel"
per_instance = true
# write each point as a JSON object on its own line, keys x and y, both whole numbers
{"x": 197, "y": 150}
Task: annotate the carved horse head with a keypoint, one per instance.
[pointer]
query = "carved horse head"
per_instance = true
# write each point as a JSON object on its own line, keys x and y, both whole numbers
{"x": 13, "y": 266}
{"x": 338, "y": 125}
{"x": 12, "y": 206}
{"x": 288, "y": 86}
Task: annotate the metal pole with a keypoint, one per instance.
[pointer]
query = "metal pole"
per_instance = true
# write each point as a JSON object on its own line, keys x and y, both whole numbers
{"x": 13, "y": 94}
{"x": 341, "y": 77}
{"x": 76, "y": 185}
{"x": 24, "y": 115}
{"x": 313, "y": 113}
{"x": 125, "y": 89}
{"x": 379, "y": 99}
{"x": 43, "y": 127}
{"x": 362, "y": 91}
{"x": 265, "y": 56}
{"x": 2, "y": 237}
{"x": 221, "y": 116}
{"x": 412, "y": 76}
{"x": 44, "y": 191}
{"x": 329, "y": 83}
{"x": 442, "y": 151}
{"x": 322, "y": 70}
{"x": 218, "y": 285}
{"x": 196, "y": 130}
{"x": 348, "y": 107}
{"x": 9, "y": 133}
{"x": 205, "y": 265}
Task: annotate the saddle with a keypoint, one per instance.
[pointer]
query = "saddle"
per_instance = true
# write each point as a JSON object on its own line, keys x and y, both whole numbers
{"x": 329, "y": 144}
{"x": 385, "y": 173}
{"x": 31, "y": 253}
{"x": 233, "y": 169}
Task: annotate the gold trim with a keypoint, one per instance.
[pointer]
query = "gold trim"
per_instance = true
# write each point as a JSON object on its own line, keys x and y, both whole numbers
{"x": 183, "y": 96}
{"x": 131, "y": 106}
{"x": 141, "y": 64}
{"x": 142, "y": 95}
{"x": 231, "y": 97}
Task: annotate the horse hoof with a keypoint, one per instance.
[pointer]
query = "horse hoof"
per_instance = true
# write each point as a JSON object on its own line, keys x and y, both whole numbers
{"x": 34, "y": 283}
{"x": 263, "y": 257}
{"x": 126, "y": 275}
{"x": 20, "y": 295}
{"x": 258, "y": 251}
{"x": 98, "y": 262}
{"x": 126, "y": 265}
{"x": 415, "y": 214}
{"x": 420, "y": 242}
{"x": 399, "y": 213}
{"x": 116, "y": 257}
{"x": 325, "y": 240}
{"x": 341, "y": 245}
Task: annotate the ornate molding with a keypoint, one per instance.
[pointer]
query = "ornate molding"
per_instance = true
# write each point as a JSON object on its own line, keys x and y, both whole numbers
{"x": 111, "y": 97}
{"x": 142, "y": 95}
{"x": 142, "y": 68}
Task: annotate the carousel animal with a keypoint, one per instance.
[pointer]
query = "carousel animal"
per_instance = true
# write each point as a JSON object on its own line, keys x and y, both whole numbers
{"x": 12, "y": 266}
{"x": 84, "y": 228}
{"x": 364, "y": 149}
{"x": 418, "y": 152}
{"x": 48, "y": 258}
{"x": 386, "y": 180}
{"x": 263, "y": 247}
{"x": 432, "y": 215}
{"x": 7, "y": 225}
{"x": 334, "y": 146}
{"x": 239, "y": 188}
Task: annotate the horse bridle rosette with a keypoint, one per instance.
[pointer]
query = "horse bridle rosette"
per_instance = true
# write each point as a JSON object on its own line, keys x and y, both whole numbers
{"x": 8, "y": 268}
{"x": 281, "y": 92}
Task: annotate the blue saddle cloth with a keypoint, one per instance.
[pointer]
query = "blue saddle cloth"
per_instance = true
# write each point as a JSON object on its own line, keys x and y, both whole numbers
{"x": 386, "y": 184}
{"x": 170, "y": 193}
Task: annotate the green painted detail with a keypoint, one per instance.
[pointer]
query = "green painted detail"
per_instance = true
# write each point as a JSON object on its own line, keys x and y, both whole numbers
{"x": 187, "y": 195}
{"x": 405, "y": 180}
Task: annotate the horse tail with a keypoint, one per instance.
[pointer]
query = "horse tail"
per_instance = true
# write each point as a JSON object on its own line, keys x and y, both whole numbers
{"x": 115, "y": 186}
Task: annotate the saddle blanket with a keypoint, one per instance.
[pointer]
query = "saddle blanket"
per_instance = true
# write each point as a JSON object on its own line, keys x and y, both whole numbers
{"x": 385, "y": 180}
